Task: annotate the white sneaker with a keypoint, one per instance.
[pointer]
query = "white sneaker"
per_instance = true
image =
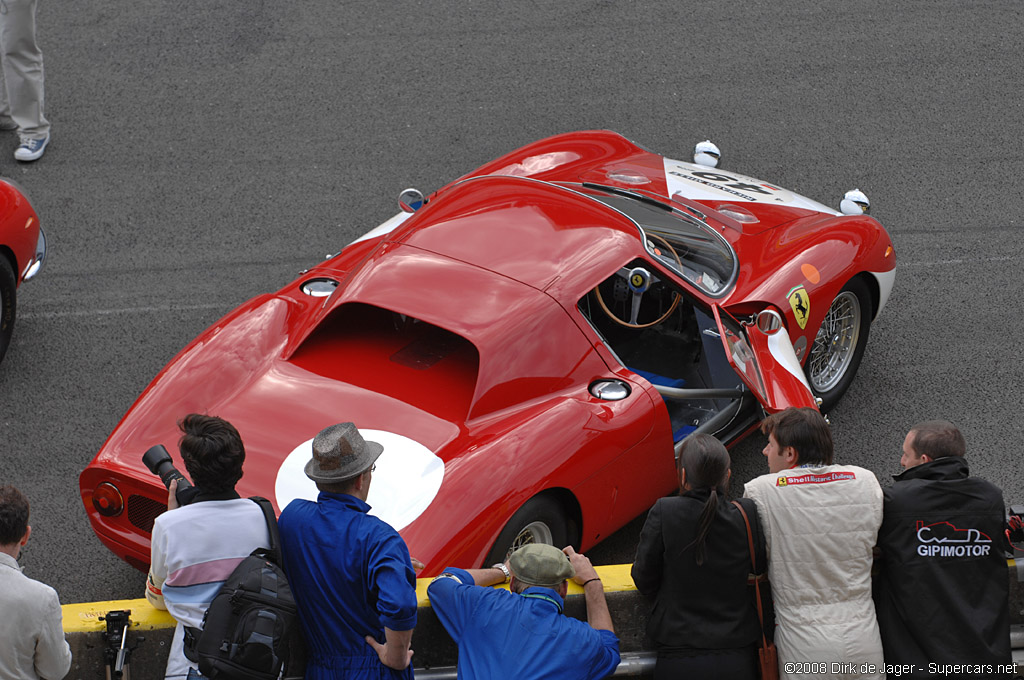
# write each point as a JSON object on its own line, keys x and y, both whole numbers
{"x": 31, "y": 149}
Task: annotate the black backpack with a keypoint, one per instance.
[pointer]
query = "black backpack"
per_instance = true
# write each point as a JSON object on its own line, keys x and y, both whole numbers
{"x": 251, "y": 630}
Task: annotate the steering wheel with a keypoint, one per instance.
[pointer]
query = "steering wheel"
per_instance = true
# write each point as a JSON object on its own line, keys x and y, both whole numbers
{"x": 639, "y": 281}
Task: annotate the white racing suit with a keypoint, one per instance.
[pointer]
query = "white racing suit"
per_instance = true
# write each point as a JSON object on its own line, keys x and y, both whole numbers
{"x": 820, "y": 525}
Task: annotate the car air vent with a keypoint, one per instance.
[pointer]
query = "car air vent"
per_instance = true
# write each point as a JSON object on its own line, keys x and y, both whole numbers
{"x": 143, "y": 511}
{"x": 319, "y": 287}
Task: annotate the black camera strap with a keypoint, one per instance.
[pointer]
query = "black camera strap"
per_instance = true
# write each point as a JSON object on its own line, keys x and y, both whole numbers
{"x": 274, "y": 549}
{"x": 273, "y": 552}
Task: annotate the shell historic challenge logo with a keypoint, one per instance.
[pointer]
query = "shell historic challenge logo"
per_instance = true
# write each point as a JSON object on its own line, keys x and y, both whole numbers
{"x": 823, "y": 478}
{"x": 942, "y": 539}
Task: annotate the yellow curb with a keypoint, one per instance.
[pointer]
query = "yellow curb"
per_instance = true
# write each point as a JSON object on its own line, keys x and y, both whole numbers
{"x": 85, "y": 617}
{"x": 614, "y": 577}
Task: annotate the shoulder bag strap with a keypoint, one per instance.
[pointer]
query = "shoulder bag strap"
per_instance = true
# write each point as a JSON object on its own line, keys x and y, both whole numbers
{"x": 753, "y": 569}
{"x": 268, "y": 514}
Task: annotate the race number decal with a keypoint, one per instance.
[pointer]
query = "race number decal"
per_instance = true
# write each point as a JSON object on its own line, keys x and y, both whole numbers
{"x": 734, "y": 186}
{"x": 700, "y": 183}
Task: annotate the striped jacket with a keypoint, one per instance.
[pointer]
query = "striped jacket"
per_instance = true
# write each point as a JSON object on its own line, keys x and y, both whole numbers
{"x": 194, "y": 549}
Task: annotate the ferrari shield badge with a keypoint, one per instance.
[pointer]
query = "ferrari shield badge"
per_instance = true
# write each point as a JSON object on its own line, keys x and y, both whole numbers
{"x": 800, "y": 301}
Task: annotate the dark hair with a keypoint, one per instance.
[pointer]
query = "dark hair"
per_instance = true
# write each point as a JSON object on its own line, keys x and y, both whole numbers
{"x": 212, "y": 450}
{"x": 937, "y": 439}
{"x": 806, "y": 430}
{"x": 706, "y": 462}
{"x": 13, "y": 515}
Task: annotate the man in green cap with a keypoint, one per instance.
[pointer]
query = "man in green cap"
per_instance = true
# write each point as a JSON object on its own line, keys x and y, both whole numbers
{"x": 521, "y": 633}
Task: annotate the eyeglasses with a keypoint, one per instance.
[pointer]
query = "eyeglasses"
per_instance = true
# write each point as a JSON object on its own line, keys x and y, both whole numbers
{"x": 373, "y": 468}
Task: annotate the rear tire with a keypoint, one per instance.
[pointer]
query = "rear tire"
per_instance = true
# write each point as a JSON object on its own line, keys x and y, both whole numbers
{"x": 540, "y": 520}
{"x": 8, "y": 303}
{"x": 839, "y": 345}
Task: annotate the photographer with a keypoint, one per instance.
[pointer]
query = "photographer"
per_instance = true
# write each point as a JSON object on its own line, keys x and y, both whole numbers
{"x": 941, "y": 591}
{"x": 197, "y": 546}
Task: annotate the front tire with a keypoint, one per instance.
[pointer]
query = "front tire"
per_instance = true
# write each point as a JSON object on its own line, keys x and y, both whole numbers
{"x": 839, "y": 345}
{"x": 540, "y": 520}
{"x": 8, "y": 303}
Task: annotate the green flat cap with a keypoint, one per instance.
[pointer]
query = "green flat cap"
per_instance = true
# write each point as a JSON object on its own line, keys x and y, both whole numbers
{"x": 543, "y": 565}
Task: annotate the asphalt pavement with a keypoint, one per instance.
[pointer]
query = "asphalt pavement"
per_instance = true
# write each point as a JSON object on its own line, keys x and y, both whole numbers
{"x": 202, "y": 154}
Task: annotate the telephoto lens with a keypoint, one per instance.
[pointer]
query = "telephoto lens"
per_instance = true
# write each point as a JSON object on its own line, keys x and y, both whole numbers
{"x": 158, "y": 460}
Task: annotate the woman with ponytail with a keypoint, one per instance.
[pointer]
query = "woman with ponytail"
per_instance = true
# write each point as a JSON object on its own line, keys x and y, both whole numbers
{"x": 692, "y": 563}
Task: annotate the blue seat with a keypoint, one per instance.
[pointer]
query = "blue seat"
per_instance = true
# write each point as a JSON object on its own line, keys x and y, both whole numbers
{"x": 683, "y": 431}
{"x": 656, "y": 379}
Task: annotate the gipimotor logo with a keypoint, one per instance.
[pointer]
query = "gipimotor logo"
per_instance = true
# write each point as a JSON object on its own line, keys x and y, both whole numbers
{"x": 942, "y": 539}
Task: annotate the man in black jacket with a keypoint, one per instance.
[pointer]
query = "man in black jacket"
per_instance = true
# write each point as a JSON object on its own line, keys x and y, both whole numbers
{"x": 941, "y": 593}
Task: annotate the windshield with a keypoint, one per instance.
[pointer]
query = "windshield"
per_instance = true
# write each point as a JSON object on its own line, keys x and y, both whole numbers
{"x": 680, "y": 242}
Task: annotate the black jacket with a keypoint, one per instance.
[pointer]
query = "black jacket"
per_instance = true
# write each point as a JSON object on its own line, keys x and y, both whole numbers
{"x": 942, "y": 593}
{"x": 705, "y": 607}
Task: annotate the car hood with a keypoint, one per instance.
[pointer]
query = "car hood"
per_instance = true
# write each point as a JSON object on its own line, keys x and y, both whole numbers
{"x": 746, "y": 204}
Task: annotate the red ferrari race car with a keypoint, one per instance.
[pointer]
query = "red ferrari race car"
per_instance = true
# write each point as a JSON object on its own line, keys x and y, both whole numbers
{"x": 22, "y": 251}
{"x": 530, "y": 344}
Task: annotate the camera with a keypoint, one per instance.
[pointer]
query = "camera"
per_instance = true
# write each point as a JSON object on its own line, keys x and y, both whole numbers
{"x": 159, "y": 463}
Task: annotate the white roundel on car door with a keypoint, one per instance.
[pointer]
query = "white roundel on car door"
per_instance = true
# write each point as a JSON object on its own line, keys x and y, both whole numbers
{"x": 407, "y": 478}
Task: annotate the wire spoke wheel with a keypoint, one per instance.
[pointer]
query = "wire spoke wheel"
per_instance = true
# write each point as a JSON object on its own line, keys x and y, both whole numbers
{"x": 534, "y": 532}
{"x": 836, "y": 343}
{"x": 541, "y": 520}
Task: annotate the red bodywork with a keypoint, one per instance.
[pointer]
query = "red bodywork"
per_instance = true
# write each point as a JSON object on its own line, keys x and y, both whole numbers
{"x": 495, "y": 381}
{"x": 22, "y": 245}
{"x": 19, "y": 229}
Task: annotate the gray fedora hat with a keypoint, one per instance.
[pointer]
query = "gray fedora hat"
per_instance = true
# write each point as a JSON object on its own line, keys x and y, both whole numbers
{"x": 340, "y": 453}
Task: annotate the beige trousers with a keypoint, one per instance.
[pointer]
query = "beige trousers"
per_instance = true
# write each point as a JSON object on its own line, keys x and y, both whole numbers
{"x": 21, "y": 97}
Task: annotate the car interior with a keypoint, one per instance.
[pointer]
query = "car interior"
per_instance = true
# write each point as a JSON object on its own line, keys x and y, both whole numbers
{"x": 670, "y": 341}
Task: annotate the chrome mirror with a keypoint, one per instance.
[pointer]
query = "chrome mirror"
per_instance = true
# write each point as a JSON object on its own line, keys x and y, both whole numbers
{"x": 769, "y": 321}
{"x": 411, "y": 200}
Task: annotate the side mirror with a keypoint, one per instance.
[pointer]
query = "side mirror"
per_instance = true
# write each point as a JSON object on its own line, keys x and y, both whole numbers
{"x": 769, "y": 322}
{"x": 411, "y": 200}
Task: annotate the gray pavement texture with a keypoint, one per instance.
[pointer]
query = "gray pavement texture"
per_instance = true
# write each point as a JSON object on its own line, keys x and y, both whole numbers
{"x": 205, "y": 153}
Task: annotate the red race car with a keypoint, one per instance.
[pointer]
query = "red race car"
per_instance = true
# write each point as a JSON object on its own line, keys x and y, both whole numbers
{"x": 530, "y": 344}
{"x": 22, "y": 251}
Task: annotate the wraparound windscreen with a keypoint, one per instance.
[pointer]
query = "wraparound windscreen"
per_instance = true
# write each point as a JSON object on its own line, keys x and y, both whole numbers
{"x": 678, "y": 241}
